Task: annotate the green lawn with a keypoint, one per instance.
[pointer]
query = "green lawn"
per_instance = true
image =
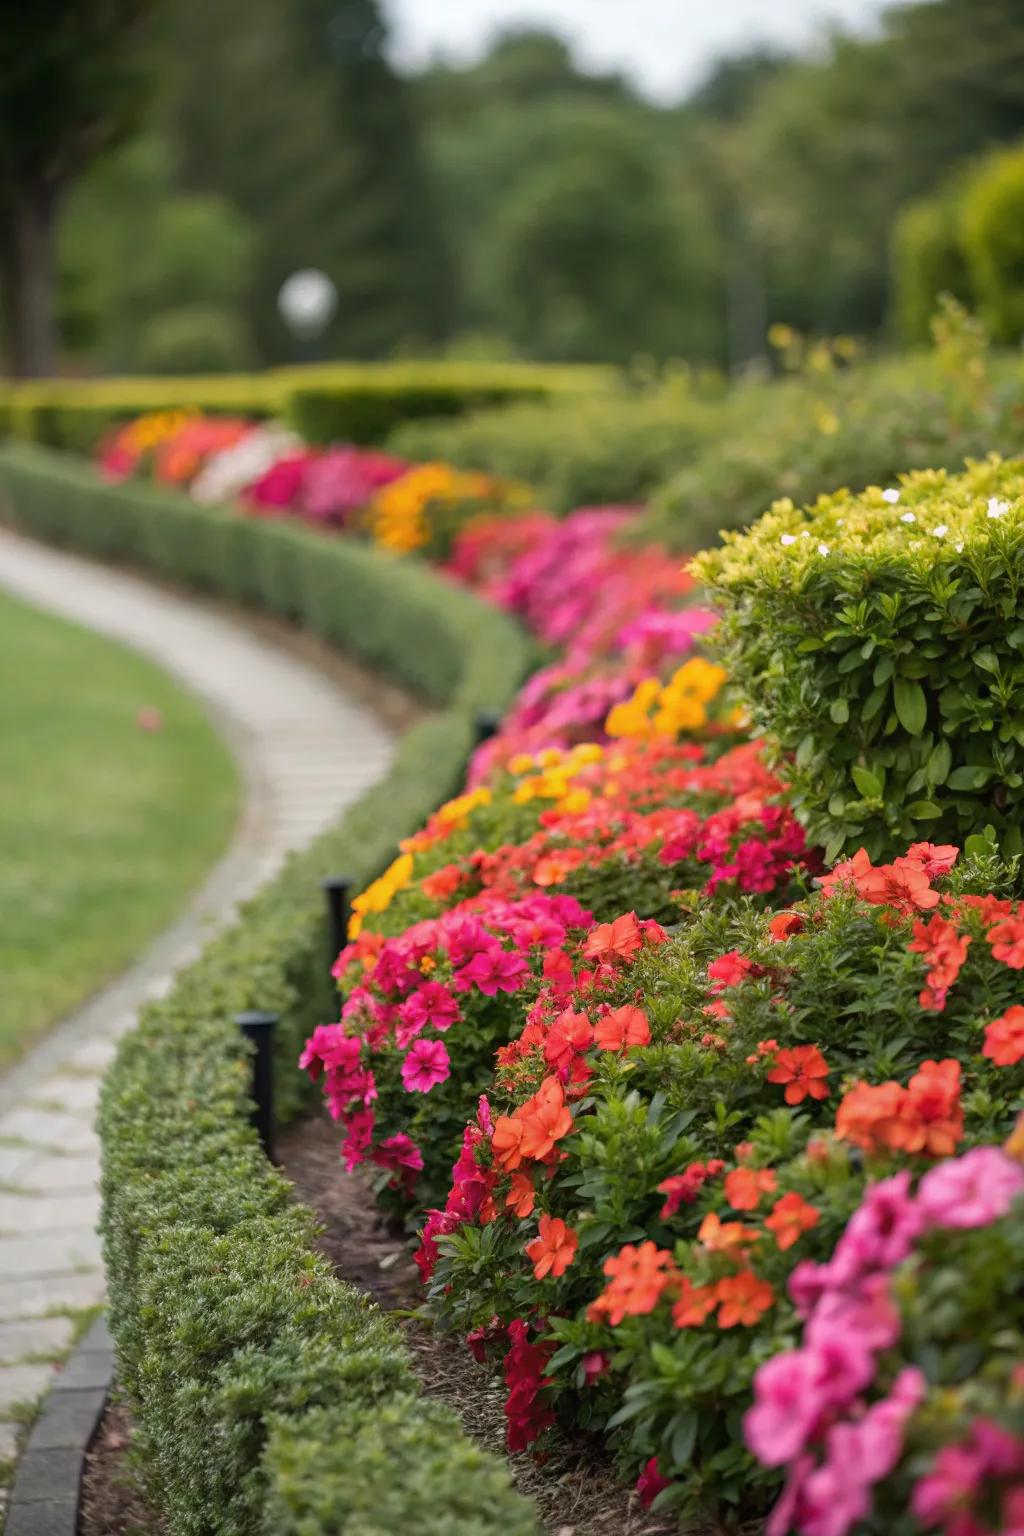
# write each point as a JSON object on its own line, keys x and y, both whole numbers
{"x": 104, "y": 827}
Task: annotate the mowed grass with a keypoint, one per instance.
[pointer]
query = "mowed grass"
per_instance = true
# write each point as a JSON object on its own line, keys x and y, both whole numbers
{"x": 105, "y": 828}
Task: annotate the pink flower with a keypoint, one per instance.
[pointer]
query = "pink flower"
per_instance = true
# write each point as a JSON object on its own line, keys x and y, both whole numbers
{"x": 398, "y": 1151}
{"x": 493, "y": 970}
{"x": 426, "y": 1065}
{"x": 874, "y": 1444}
{"x": 650, "y": 1483}
{"x": 970, "y": 1191}
{"x": 787, "y": 1406}
{"x": 833, "y": 1498}
{"x": 881, "y": 1233}
{"x": 433, "y": 1004}
{"x": 869, "y": 1314}
{"x": 329, "y": 1046}
{"x": 359, "y": 1134}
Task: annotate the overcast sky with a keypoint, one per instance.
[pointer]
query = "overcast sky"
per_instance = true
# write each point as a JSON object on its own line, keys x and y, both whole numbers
{"x": 664, "y": 45}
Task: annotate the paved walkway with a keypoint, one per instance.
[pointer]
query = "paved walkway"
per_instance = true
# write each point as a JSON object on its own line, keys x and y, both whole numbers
{"x": 306, "y": 751}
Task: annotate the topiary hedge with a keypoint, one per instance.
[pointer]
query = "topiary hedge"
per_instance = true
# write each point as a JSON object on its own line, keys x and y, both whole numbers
{"x": 268, "y": 1396}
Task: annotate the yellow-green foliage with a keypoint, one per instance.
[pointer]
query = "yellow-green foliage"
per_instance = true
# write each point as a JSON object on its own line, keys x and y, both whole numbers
{"x": 879, "y": 642}
{"x": 993, "y": 240}
{"x": 357, "y": 402}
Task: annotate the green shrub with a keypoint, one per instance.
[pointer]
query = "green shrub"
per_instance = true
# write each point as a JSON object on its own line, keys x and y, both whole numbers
{"x": 879, "y": 642}
{"x": 231, "y": 1336}
{"x": 616, "y": 447}
{"x": 363, "y": 404}
{"x": 927, "y": 260}
{"x": 356, "y": 402}
{"x": 804, "y": 436}
{"x": 993, "y": 236}
{"x": 195, "y": 338}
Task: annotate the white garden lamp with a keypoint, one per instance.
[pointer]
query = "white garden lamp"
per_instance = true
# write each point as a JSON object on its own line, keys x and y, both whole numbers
{"x": 307, "y": 301}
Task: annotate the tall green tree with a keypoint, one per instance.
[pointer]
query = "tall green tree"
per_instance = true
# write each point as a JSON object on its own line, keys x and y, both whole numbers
{"x": 73, "y": 81}
{"x": 294, "y": 113}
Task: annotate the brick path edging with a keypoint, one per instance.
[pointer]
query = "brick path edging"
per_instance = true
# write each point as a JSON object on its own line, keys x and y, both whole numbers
{"x": 47, "y": 1488}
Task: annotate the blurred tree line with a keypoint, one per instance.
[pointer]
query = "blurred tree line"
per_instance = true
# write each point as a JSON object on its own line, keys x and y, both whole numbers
{"x": 205, "y": 149}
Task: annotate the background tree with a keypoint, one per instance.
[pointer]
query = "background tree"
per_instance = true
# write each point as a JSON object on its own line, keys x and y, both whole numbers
{"x": 73, "y": 77}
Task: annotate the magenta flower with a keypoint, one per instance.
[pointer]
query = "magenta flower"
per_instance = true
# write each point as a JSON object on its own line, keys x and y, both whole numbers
{"x": 881, "y": 1233}
{"x": 433, "y": 1004}
{"x": 359, "y": 1134}
{"x": 787, "y": 1407}
{"x": 398, "y": 1152}
{"x": 426, "y": 1065}
{"x": 493, "y": 970}
{"x": 328, "y": 1046}
{"x": 970, "y": 1191}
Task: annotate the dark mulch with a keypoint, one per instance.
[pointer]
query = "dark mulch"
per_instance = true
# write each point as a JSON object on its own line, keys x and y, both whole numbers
{"x": 574, "y": 1489}
{"x": 111, "y": 1503}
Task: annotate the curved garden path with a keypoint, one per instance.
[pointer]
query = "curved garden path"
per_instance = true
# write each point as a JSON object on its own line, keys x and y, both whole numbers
{"x": 306, "y": 750}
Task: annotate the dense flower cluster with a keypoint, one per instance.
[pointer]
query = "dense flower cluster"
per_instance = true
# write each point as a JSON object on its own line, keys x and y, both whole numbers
{"x": 268, "y": 470}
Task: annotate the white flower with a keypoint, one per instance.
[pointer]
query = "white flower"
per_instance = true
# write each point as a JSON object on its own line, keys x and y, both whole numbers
{"x": 997, "y": 508}
{"x": 892, "y": 496}
{"x": 959, "y": 547}
{"x": 907, "y": 517}
{"x": 940, "y": 532}
{"x": 840, "y": 521}
{"x": 823, "y": 549}
{"x": 806, "y": 534}
{"x": 788, "y": 538}
{"x": 226, "y": 474}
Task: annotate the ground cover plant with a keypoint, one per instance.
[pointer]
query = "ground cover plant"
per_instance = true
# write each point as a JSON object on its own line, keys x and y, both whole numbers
{"x": 116, "y": 796}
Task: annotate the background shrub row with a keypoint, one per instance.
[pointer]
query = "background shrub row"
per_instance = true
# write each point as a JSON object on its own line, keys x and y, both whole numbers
{"x": 268, "y": 1396}
{"x": 351, "y": 402}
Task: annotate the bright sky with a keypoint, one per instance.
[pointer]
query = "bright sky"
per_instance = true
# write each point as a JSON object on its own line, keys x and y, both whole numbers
{"x": 666, "y": 46}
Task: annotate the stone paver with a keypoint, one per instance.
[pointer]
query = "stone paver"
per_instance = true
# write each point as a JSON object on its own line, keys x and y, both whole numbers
{"x": 306, "y": 751}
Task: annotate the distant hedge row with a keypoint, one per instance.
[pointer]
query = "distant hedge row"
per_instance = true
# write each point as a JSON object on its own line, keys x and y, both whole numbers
{"x": 270, "y": 1398}
{"x": 350, "y": 402}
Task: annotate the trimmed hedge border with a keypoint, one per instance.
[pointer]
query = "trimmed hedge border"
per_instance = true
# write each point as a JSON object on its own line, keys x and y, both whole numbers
{"x": 325, "y": 402}
{"x": 269, "y": 1397}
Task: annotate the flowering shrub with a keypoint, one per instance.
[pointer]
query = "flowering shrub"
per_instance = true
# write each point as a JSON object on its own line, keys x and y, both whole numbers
{"x": 130, "y": 448}
{"x": 649, "y": 824}
{"x": 419, "y": 1026}
{"x": 683, "y": 1127}
{"x": 426, "y": 506}
{"x": 905, "y": 1400}
{"x": 877, "y": 639}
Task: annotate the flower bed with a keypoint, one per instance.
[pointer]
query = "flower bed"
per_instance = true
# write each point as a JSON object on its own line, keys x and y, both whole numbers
{"x": 751, "y": 1099}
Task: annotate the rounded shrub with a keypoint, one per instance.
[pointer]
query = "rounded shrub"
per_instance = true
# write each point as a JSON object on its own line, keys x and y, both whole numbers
{"x": 993, "y": 234}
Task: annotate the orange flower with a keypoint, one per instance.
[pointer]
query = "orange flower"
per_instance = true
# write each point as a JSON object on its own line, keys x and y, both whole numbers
{"x": 745, "y": 1186}
{"x": 944, "y": 951}
{"x": 521, "y": 1195}
{"x": 803, "y": 1069}
{"x": 791, "y": 1217}
{"x": 546, "y": 1120}
{"x": 636, "y": 1279}
{"x": 622, "y": 1027}
{"x": 926, "y": 1116}
{"x": 554, "y": 1249}
{"x": 614, "y": 941}
{"x": 725, "y": 1236}
{"x": 695, "y": 1304}
{"x": 507, "y": 1141}
{"x": 864, "y": 1112}
{"x": 744, "y": 1298}
{"x": 847, "y": 873}
{"x": 784, "y": 925}
{"x": 903, "y": 884}
{"x": 1004, "y": 1038}
{"x": 442, "y": 883}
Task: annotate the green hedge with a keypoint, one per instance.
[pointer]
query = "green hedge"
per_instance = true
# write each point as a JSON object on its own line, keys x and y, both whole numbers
{"x": 270, "y": 1398}
{"x": 333, "y": 402}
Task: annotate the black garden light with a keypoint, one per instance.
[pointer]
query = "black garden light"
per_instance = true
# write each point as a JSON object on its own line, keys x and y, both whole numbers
{"x": 258, "y": 1028}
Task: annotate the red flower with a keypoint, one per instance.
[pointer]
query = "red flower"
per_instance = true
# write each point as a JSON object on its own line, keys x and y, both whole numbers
{"x": 903, "y": 884}
{"x": 650, "y": 1483}
{"x": 791, "y": 1217}
{"x": 621, "y": 1028}
{"x": 803, "y": 1069}
{"x": 1007, "y": 941}
{"x": 729, "y": 970}
{"x": 784, "y": 924}
{"x": 1004, "y": 1038}
{"x": 554, "y": 1249}
{"x": 945, "y": 951}
{"x": 683, "y": 1188}
{"x": 937, "y": 859}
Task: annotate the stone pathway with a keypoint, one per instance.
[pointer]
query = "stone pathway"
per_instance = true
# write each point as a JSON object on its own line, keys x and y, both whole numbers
{"x": 306, "y": 751}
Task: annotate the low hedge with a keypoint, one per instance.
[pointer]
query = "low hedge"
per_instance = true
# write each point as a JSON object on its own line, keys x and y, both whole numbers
{"x": 351, "y": 402}
{"x": 268, "y": 1396}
